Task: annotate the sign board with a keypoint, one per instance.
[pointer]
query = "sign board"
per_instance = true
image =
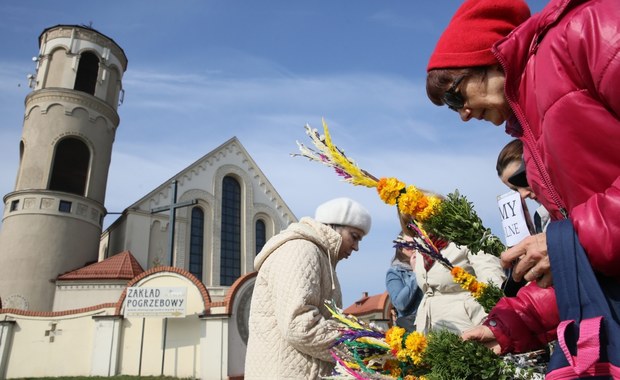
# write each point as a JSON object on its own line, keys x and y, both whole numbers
{"x": 156, "y": 302}
{"x": 514, "y": 223}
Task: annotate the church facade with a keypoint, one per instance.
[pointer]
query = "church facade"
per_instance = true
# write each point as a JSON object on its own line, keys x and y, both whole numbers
{"x": 195, "y": 236}
{"x": 166, "y": 288}
{"x": 225, "y": 210}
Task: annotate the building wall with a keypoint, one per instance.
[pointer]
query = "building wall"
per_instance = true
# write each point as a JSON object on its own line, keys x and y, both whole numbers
{"x": 182, "y": 354}
{"x": 31, "y": 263}
{"x": 33, "y": 352}
{"x": 146, "y": 234}
{"x": 72, "y": 295}
{"x": 104, "y": 341}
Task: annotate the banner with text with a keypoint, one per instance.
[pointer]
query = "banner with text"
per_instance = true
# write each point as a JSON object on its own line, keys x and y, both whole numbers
{"x": 513, "y": 218}
{"x": 156, "y": 302}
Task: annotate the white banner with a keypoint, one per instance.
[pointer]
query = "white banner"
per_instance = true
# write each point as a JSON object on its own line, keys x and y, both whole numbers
{"x": 156, "y": 302}
{"x": 513, "y": 218}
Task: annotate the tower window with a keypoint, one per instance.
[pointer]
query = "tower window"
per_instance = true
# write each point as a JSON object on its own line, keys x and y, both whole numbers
{"x": 64, "y": 206}
{"x": 70, "y": 170}
{"x": 14, "y": 205}
{"x": 230, "y": 259}
{"x": 88, "y": 69}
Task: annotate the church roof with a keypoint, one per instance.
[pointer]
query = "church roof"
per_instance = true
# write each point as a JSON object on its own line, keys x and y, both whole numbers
{"x": 368, "y": 304}
{"x": 122, "y": 266}
{"x": 209, "y": 163}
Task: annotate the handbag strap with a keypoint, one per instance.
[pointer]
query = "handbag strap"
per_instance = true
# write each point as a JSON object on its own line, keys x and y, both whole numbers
{"x": 579, "y": 296}
{"x": 578, "y": 292}
{"x": 588, "y": 345}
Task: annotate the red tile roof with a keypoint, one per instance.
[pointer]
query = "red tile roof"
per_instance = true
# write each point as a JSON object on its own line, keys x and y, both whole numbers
{"x": 367, "y": 305}
{"x": 122, "y": 266}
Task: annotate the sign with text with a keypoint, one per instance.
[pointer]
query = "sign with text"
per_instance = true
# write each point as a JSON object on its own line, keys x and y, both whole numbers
{"x": 156, "y": 302}
{"x": 514, "y": 223}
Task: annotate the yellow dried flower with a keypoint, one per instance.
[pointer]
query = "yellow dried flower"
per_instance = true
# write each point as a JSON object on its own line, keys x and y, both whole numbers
{"x": 394, "y": 337}
{"x": 430, "y": 209}
{"x": 393, "y": 367}
{"x": 415, "y": 344}
{"x": 468, "y": 282}
{"x": 389, "y": 189}
{"x": 409, "y": 200}
{"x": 477, "y": 293}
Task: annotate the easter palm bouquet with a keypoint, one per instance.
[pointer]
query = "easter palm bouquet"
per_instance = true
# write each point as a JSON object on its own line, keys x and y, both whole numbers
{"x": 364, "y": 351}
{"x": 451, "y": 218}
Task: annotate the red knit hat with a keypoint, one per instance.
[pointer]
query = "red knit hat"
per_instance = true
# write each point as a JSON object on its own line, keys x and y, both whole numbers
{"x": 473, "y": 30}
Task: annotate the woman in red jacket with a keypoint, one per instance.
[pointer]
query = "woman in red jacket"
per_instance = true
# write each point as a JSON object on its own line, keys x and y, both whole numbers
{"x": 554, "y": 79}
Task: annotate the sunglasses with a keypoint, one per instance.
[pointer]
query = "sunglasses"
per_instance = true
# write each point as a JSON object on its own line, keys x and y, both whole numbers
{"x": 519, "y": 177}
{"x": 452, "y": 98}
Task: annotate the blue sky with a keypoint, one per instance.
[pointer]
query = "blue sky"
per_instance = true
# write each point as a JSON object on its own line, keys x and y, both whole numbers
{"x": 201, "y": 72}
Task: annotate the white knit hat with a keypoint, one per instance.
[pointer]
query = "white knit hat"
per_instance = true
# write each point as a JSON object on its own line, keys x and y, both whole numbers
{"x": 345, "y": 212}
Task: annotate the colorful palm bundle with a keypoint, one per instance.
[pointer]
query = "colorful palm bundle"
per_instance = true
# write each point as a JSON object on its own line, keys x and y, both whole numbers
{"x": 487, "y": 295}
{"x": 452, "y": 218}
{"x": 365, "y": 351}
{"x": 440, "y": 355}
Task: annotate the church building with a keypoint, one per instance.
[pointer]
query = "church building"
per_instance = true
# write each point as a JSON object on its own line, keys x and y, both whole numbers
{"x": 223, "y": 211}
{"x": 166, "y": 288}
{"x": 191, "y": 241}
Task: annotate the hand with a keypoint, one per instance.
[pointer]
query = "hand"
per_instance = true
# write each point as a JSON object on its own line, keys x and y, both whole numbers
{"x": 530, "y": 260}
{"x": 484, "y": 335}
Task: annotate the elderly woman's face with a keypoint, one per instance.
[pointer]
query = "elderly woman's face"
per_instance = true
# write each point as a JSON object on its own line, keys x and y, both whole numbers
{"x": 484, "y": 97}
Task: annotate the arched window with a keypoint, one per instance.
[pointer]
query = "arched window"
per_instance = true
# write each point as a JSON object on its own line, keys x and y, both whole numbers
{"x": 88, "y": 69}
{"x": 196, "y": 242}
{"x": 70, "y": 170}
{"x": 230, "y": 260}
{"x": 261, "y": 235}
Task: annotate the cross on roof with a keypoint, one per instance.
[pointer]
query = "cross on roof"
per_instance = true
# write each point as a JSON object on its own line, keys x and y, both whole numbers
{"x": 172, "y": 208}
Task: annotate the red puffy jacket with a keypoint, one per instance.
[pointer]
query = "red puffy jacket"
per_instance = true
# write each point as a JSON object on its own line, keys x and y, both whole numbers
{"x": 562, "y": 70}
{"x": 526, "y": 322}
{"x": 563, "y": 85}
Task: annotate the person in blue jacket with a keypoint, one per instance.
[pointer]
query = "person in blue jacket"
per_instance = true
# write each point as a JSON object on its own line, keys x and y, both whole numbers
{"x": 401, "y": 284}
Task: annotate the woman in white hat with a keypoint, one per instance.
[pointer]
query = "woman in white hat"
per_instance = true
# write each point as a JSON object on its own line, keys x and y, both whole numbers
{"x": 290, "y": 328}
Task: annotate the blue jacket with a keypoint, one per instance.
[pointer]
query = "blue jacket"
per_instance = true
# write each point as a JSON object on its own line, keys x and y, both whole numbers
{"x": 400, "y": 282}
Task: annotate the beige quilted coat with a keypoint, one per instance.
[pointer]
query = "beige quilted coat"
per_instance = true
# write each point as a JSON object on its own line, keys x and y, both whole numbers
{"x": 445, "y": 304}
{"x": 290, "y": 328}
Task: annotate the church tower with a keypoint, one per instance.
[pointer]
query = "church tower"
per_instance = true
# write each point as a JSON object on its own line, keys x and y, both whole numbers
{"x": 53, "y": 219}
